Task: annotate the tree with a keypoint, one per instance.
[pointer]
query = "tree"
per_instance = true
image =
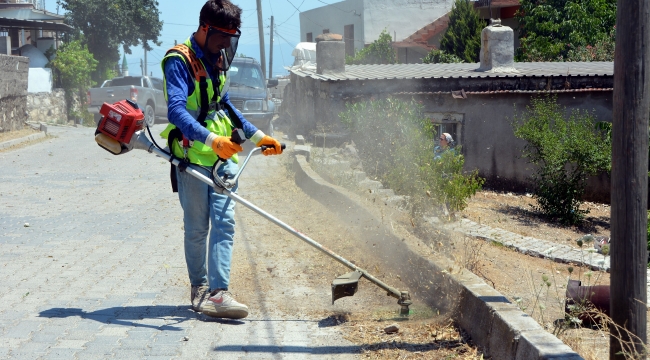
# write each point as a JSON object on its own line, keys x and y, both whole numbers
{"x": 436, "y": 56}
{"x": 379, "y": 52}
{"x": 463, "y": 36}
{"x": 549, "y": 29}
{"x": 108, "y": 24}
{"x": 73, "y": 65}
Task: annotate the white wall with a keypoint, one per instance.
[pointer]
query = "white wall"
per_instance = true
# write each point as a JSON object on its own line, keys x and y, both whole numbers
{"x": 370, "y": 17}
{"x": 334, "y": 17}
{"x": 39, "y": 80}
{"x": 401, "y": 17}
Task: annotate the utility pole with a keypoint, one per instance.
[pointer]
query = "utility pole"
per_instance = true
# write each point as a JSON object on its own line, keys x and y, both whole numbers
{"x": 141, "y": 67}
{"x": 629, "y": 194}
{"x": 260, "y": 25}
{"x": 145, "y": 63}
{"x": 271, "y": 52}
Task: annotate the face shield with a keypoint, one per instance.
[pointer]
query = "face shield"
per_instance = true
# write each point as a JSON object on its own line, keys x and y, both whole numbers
{"x": 221, "y": 46}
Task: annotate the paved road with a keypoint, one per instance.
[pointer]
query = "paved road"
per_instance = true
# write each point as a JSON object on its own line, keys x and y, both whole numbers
{"x": 91, "y": 265}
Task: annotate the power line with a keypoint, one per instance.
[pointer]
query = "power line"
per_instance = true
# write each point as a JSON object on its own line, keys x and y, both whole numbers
{"x": 285, "y": 40}
{"x": 294, "y": 13}
{"x": 336, "y": 7}
{"x": 308, "y": 18}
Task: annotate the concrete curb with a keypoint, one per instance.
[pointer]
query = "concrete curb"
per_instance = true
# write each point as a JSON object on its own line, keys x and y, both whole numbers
{"x": 496, "y": 325}
{"x": 10, "y": 143}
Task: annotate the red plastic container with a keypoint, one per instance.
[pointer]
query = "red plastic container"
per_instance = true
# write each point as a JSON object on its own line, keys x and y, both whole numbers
{"x": 121, "y": 120}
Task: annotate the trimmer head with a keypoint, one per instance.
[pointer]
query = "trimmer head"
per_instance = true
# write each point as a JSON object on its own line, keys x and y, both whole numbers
{"x": 345, "y": 285}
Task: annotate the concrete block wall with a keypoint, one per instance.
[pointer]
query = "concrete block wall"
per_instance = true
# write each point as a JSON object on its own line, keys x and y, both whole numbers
{"x": 14, "y": 72}
{"x": 47, "y": 107}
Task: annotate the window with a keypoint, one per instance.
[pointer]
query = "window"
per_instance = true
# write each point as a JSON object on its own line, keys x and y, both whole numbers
{"x": 326, "y": 31}
{"x": 157, "y": 83}
{"x": 246, "y": 75}
{"x": 451, "y": 123}
{"x": 348, "y": 37}
{"x": 127, "y": 81}
{"x": 310, "y": 37}
{"x": 448, "y": 128}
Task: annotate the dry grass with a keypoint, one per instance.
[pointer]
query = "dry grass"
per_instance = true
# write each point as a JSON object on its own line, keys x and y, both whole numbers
{"x": 416, "y": 339}
{"x": 11, "y": 135}
{"x": 16, "y": 134}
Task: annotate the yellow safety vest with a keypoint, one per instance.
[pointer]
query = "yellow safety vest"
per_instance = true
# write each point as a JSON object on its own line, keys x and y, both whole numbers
{"x": 216, "y": 121}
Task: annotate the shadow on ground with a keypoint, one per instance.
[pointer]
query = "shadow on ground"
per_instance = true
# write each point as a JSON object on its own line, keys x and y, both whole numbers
{"x": 129, "y": 316}
{"x": 348, "y": 349}
{"x": 531, "y": 218}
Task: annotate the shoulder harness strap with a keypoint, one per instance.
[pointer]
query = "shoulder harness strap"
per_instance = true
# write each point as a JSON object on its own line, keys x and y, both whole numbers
{"x": 198, "y": 72}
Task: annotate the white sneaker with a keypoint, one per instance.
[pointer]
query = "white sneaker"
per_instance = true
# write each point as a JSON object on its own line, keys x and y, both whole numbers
{"x": 199, "y": 295}
{"x": 221, "y": 304}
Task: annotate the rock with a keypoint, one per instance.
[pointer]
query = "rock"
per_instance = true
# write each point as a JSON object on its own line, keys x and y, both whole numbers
{"x": 391, "y": 329}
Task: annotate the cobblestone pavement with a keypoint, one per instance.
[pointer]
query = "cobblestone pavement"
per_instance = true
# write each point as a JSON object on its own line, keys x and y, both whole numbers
{"x": 91, "y": 265}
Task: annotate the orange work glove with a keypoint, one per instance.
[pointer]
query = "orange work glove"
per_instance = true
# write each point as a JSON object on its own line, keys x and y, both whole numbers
{"x": 274, "y": 146}
{"x": 223, "y": 146}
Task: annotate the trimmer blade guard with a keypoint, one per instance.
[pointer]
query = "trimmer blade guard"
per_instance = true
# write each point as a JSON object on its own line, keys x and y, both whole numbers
{"x": 345, "y": 285}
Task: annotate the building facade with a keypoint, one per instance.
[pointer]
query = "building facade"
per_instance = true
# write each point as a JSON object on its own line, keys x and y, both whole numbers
{"x": 362, "y": 21}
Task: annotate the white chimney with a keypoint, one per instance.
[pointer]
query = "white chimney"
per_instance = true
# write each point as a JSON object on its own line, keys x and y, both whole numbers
{"x": 497, "y": 48}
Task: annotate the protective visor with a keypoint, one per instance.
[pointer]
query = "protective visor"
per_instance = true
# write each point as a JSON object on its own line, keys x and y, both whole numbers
{"x": 223, "y": 60}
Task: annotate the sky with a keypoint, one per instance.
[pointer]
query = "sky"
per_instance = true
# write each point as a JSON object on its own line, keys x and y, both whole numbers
{"x": 181, "y": 18}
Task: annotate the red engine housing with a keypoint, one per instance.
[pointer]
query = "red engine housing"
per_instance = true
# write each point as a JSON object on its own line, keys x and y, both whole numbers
{"x": 121, "y": 120}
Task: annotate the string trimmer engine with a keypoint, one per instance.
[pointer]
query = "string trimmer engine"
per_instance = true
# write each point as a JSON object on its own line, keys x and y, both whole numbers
{"x": 118, "y": 124}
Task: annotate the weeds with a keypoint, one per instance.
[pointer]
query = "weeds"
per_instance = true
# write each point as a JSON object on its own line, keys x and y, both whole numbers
{"x": 395, "y": 145}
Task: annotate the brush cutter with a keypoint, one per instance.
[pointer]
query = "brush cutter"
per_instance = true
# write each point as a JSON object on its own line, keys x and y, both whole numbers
{"x": 122, "y": 129}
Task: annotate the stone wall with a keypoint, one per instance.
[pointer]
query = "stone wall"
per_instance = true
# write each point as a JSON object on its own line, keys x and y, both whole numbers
{"x": 47, "y": 107}
{"x": 13, "y": 92}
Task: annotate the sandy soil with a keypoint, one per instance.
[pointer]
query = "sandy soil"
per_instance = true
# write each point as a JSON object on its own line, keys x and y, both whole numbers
{"x": 517, "y": 213}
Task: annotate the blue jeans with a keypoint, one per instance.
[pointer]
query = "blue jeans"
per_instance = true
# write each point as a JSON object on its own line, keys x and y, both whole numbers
{"x": 203, "y": 207}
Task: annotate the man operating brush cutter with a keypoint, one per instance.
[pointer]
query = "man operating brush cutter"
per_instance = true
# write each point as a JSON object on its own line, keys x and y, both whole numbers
{"x": 202, "y": 121}
{"x": 204, "y": 138}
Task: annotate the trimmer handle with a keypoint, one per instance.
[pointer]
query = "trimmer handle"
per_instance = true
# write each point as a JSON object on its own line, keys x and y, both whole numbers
{"x": 238, "y": 136}
{"x": 282, "y": 146}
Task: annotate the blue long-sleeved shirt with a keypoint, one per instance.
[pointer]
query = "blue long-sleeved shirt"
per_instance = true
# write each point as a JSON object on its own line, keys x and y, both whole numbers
{"x": 180, "y": 84}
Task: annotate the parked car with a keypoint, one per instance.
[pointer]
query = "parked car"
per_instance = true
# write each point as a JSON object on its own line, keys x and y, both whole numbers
{"x": 146, "y": 91}
{"x": 249, "y": 93}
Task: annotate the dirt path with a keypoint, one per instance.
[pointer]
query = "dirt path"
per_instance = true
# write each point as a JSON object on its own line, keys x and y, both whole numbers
{"x": 295, "y": 279}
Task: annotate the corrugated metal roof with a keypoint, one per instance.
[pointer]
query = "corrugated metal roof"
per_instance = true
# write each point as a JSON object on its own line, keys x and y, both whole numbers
{"x": 456, "y": 71}
{"x": 492, "y": 92}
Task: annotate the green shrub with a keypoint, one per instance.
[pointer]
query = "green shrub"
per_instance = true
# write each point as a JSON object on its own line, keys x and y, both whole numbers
{"x": 566, "y": 150}
{"x": 379, "y": 52}
{"x": 395, "y": 144}
{"x": 436, "y": 56}
{"x": 73, "y": 66}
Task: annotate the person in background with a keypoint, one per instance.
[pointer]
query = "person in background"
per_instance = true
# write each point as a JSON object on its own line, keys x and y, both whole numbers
{"x": 446, "y": 144}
